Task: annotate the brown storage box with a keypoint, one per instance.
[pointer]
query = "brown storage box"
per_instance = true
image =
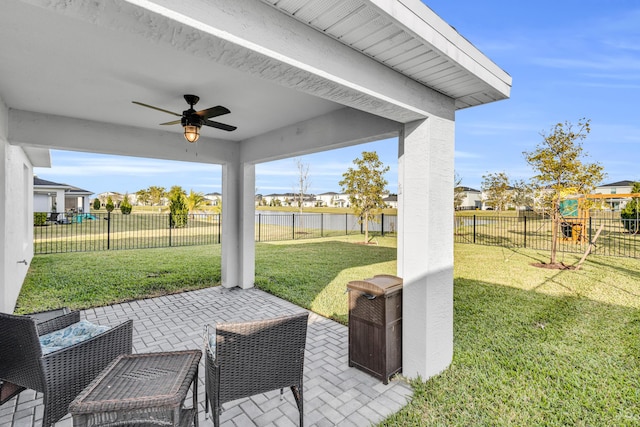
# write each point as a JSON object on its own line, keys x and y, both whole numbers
{"x": 375, "y": 325}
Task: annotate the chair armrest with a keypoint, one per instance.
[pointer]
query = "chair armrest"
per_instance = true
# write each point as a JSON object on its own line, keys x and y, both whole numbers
{"x": 59, "y": 322}
{"x": 41, "y": 316}
{"x": 72, "y": 368}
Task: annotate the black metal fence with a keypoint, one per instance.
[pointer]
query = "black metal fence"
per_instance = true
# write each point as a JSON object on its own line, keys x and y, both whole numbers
{"x": 98, "y": 232}
{"x": 616, "y": 238}
{"x": 292, "y": 226}
{"x": 59, "y": 233}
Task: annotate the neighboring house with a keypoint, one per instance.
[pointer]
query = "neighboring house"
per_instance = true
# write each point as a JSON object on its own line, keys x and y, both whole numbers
{"x": 332, "y": 199}
{"x": 116, "y": 198}
{"x": 391, "y": 201}
{"x": 471, "y": 198}
{"x": 289, "y": 199}
{"x": 213, "y": 199}
{"x": 49, "y": 196}
{"x": 620, "y": 187}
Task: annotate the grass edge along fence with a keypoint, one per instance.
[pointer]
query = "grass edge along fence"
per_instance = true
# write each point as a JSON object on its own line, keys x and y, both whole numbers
{"x": 62, "y": 233}
{"x": 534, "y": 232}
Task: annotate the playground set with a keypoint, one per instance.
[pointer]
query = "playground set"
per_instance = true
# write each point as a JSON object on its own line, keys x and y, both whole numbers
{"x": 575, "y": 215}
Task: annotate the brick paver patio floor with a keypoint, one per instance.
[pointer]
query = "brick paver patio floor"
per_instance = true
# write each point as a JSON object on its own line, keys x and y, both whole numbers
{"x": 334, "y": 394}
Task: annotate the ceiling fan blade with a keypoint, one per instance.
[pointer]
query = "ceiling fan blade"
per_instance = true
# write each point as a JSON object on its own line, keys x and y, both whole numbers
{"x": 213, "y": 112}
{"x": 218, "y": 125}
{"x": 156, "y": 108}
{"x": 175, "y": 122}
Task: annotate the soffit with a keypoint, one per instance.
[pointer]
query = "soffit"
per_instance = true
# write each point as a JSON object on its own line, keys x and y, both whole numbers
{"x": 408, "y": 37}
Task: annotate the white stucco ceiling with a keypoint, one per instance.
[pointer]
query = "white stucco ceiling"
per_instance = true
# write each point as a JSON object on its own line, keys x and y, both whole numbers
{"x": 270, "y": 64}
{"x": 55, "y": 64}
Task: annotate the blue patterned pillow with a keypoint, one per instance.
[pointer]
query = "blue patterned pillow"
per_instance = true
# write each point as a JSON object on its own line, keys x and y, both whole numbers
{"x": 72, "y": 334}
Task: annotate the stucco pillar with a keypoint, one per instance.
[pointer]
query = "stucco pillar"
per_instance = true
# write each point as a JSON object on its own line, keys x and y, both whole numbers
{"x": 425, "y": 245}
{"x": 238, "y": 224}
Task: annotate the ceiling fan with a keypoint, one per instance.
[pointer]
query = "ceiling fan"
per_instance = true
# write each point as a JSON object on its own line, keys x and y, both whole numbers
{"x": 193, "y": 120}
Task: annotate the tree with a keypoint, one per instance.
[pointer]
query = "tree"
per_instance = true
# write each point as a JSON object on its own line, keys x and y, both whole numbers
{"x": 631, "y": 213}
{"x": 109, "y": 206}
{"x": 96, "y": 204}
{"x": 558, "y": 162}
{"x": 522, "y": 194}
{"x": 303, "y": 182}
{"x": 179, "y": 210}
{"x": 176, "y": 189}
{"x": 143, "y": 196}
{"x": 156, "y": 194}
{"x": 497, "y": 191}
{"x": 195, "y": 200}
{"x": 365, "y": 185}
{"x": 125, "y": 205}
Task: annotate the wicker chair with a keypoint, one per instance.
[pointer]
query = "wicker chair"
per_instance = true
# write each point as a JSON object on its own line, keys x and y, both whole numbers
{"x": 255, "y": 357}
{"x": 60, "y": 375}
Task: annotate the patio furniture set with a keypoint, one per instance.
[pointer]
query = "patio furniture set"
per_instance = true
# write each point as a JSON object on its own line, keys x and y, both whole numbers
{"x": 89, "y": 370}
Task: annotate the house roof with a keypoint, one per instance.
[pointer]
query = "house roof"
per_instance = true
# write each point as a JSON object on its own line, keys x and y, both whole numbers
{"x": 307, "y": 55}
{"x": 44, "y": 183}
{"x": 39, "y": 182}
{"x": 619, "y": 184}
{"x": 468, "y": 189}
{"x": 411, "y": 39}
{"x": 391, "y": 198}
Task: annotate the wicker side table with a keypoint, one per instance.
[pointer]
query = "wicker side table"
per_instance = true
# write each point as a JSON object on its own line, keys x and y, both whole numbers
{"x": 141, "y": 389}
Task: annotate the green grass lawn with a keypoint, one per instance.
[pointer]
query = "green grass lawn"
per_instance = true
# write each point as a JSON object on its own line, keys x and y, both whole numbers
{"x": 536, "y": 347}
{"x": 531, "y": 346}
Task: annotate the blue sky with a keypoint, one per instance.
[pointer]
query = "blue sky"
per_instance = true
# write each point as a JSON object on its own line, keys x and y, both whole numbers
{"x": 569, "y": 59}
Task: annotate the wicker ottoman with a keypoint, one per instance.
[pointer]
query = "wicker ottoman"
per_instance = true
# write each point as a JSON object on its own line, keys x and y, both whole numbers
{"x": 143, "y": 389}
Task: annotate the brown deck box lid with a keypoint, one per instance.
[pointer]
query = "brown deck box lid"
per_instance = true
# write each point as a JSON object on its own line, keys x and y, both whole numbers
{"x": 380, "y": 284}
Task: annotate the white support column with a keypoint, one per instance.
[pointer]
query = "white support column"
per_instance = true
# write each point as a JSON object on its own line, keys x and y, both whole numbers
{"x": 425, "y": 245}
{"x": 238, "y": 225}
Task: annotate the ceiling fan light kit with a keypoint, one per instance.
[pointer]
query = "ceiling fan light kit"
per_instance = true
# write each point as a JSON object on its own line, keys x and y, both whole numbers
{"x": 192, "y": 120}
{"x": 191, "y": 133}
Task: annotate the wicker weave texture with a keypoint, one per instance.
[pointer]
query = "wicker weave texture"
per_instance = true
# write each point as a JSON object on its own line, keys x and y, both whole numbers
{"x": 255, "y": 357}
{"x": 60, "y": 375}
{"x": 140, "y": 389}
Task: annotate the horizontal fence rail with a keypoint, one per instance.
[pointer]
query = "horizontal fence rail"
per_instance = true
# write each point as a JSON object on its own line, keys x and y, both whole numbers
{"x": 59, "y": 233}
{"x": 619, "y": 237}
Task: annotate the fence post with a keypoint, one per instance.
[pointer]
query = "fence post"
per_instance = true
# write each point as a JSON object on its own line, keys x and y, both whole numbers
{"x": 108, "y": 230}
{"x": 525, "y": 231}
{"x": 259, "y": 226}
{"x": 170, "y": 229}
{"x": 293, "y": 226}
{"x": 321, "y": 224}
{"x": 346, "y": 224}
{"x": 219, "y": 227}
{"x": 382, "y": 224}
{"x": 590, "y": 230}
{"x": 474, "y": 228}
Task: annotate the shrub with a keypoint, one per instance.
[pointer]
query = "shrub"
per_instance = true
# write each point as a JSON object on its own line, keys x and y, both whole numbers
{"x": 96, "y": 204}
{"x": 125, "y": 206}
{"x": 631, "y": 213}
{"x": 179, "y": 211}
{"x": 39, "y": 218}
{"x": 109, "y": 206}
